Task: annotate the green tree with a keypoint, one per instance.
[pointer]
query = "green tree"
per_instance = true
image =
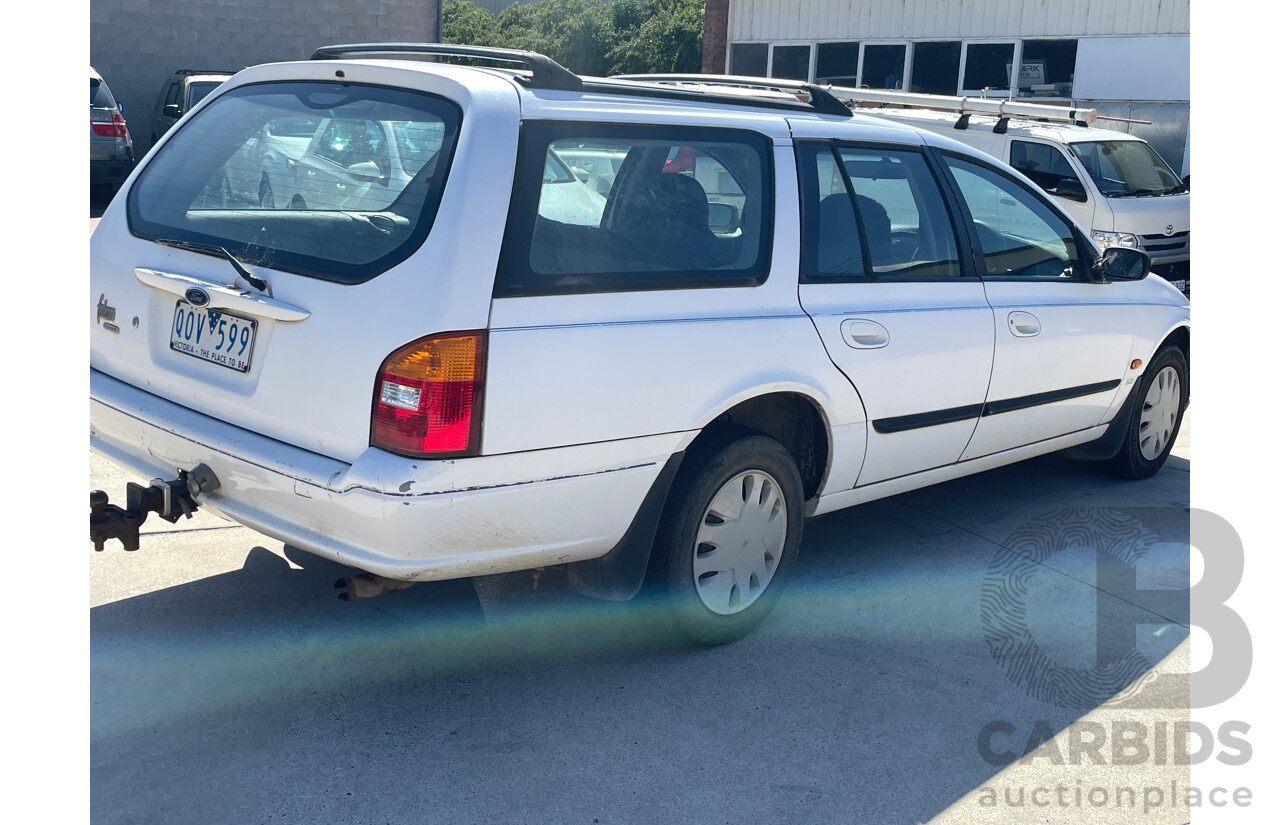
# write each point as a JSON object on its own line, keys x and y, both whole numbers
{"x": 465, "y": 22}
{"x": 590, "y": 37}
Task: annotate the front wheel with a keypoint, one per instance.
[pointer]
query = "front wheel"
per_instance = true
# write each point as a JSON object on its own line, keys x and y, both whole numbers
{"x": 1156, "y": 418}
{"x": 728, "y": 539}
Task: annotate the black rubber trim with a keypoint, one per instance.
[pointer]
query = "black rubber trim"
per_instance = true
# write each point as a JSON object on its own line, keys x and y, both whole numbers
{"x": 901, "y": 423}
{"x": 1012, "y": 404}
{"x": 915, "y": 421}
{"x": 619, "y": 574}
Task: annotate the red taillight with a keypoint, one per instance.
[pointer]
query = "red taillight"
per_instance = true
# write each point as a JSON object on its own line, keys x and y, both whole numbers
{"x": 110, "y": 128}
{"x": 682, "y": 162}
{"x": 427, "y": 399}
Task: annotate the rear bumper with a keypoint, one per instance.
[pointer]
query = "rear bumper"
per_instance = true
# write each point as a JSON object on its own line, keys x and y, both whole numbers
{"x": 113, "y": 170}
{"x": 396, "y": 517}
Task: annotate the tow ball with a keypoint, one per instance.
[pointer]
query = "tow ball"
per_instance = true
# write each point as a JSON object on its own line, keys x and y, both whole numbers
{"x": 168, "y": 499}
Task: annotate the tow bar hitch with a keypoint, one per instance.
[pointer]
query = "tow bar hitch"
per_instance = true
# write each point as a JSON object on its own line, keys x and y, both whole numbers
{"x": 168, "y": 499}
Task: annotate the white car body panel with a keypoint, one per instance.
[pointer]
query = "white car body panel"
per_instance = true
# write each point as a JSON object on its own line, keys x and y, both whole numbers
{"x": 910, "y": 374}
{"x": 586, "y": 396}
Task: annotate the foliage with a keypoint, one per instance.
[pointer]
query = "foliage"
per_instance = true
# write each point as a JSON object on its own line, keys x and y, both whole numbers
{"x": 589, "y": 37}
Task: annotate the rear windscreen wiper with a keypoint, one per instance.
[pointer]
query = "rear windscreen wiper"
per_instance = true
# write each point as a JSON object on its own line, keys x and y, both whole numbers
{"x": 210, "y": 249}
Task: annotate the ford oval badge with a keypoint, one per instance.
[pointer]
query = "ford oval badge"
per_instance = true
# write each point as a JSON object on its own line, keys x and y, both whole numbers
{"x": 197, "y": 297}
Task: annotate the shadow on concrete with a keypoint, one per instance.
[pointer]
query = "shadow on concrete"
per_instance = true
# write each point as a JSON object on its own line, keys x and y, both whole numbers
{"x": 257, "y": 695}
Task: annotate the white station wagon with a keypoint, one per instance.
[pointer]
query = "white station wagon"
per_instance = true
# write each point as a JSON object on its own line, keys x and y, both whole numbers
{"x": 781, "y": 309}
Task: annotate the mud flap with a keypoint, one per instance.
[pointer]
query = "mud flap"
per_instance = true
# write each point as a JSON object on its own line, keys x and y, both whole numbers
{"x": 618, "y": 574}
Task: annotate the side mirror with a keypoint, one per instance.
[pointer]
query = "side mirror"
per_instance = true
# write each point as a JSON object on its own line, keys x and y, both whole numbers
{"x": 722, "y": 218}
{"x": 366, "y": 171}
{"x": 172, "y": 110}
{"x": 120, "y": 107}
{"x": 1122, "y": 264}
{"x": 1187, "y": 182}
{"x": 1071, "y": 189}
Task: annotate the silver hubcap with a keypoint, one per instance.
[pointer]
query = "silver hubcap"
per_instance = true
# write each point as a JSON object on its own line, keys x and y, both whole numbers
{"x": 1159, "y": 414}
{"x": 739, "y": 542}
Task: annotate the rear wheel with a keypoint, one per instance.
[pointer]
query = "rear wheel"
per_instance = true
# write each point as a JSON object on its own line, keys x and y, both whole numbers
{"x": 728, "y": 539}
{"x": 1156, "y": 418}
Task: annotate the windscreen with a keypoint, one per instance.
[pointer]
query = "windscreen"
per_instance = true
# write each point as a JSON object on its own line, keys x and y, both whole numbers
{"x": 336, "y": 181}
{"x": 1127, "y": 168}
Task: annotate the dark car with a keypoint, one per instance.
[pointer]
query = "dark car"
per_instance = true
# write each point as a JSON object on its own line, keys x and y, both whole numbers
{"x": 110, "y": 147}
{"x": 181, "y": 92}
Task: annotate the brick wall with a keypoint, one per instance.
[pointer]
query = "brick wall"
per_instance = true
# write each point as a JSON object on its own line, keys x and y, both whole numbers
{"x": 715, "y": 30}
{"x": 136, "y": 44}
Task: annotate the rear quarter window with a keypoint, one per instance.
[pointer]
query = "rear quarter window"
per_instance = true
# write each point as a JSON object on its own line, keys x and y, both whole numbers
{"x": 610, "y": 208}
{"x": 338, "y": 182}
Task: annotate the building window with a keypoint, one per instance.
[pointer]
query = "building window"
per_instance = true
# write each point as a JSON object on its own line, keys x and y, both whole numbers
{"x": 935, "y": 67}
{"x": 882, "y": 66}
{"x": 790, "y": 62}
{"x": 1046, "y": 64}
{"x": 837, "y": 64}
{"x": 987, "y": 66}
{"x": 750, "y": 59}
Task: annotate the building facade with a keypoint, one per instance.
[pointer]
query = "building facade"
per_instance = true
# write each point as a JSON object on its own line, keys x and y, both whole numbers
{"x": 1126, "y": 58}
{"x": 136, "y": 44}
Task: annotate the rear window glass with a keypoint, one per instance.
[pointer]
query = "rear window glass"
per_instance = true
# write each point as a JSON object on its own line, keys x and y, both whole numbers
{"x": 612, "y": 208}
{"x": 100, "y": 95}
{"x": 335, "y": 181}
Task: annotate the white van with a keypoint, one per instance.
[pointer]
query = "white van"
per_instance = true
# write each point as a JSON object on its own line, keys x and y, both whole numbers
{"x": 1113, "y": 184}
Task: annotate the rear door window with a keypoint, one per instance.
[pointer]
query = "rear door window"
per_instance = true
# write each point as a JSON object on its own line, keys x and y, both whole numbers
{"x": 871, "y": 211}
{"x": 612, "y": 208}
{"x": 339, "y": 182}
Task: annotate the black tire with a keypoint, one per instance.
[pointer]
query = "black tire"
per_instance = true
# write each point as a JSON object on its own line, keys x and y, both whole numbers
{"x": 1147, "y": 443}
{"x": 297, "y": 202}
{"x": 706, "y": 474}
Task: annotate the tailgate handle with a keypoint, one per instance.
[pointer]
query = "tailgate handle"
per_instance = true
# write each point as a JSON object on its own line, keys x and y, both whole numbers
{"x": 223, "y": 296}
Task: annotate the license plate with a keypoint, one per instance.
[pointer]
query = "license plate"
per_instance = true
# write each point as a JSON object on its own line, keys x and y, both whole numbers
{"x": 213, "y": 335}
{"x": 1180, "y": 285}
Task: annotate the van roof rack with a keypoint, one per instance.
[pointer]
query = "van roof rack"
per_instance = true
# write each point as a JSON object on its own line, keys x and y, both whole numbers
{"x": 189, "y": 72}
{"x": 545, "y": 73}
{"x": 819, "y": 100}
{"x": 1002, "y": 108}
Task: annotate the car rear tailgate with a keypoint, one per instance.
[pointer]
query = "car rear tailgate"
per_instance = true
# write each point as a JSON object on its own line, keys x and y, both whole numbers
{"x": 311, "y": 375}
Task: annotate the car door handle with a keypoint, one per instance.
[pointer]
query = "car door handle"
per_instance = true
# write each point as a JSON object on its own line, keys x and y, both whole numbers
{"x": 860, "y": 333}
{"x": 1024, "y": 324}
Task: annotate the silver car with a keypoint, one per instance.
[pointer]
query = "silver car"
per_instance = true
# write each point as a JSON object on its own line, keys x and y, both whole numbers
{"x": 110, "y": 147}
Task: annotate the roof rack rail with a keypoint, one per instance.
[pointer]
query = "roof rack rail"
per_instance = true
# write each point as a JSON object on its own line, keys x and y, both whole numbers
{"x": 545, "y": 72}
{"x": 964, "y": 106}
{"x": 188, "y": 72}
{"x": 820, "y": 100}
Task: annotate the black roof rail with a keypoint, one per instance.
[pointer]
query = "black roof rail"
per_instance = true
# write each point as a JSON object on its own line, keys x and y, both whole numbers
{"x": 545, "y": 72}
{"x": 186, "y": 72}
{"x": 820, "y": 100}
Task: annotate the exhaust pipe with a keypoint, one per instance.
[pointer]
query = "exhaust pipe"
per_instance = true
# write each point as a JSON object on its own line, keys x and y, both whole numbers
{"x": 368, "y": 586}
